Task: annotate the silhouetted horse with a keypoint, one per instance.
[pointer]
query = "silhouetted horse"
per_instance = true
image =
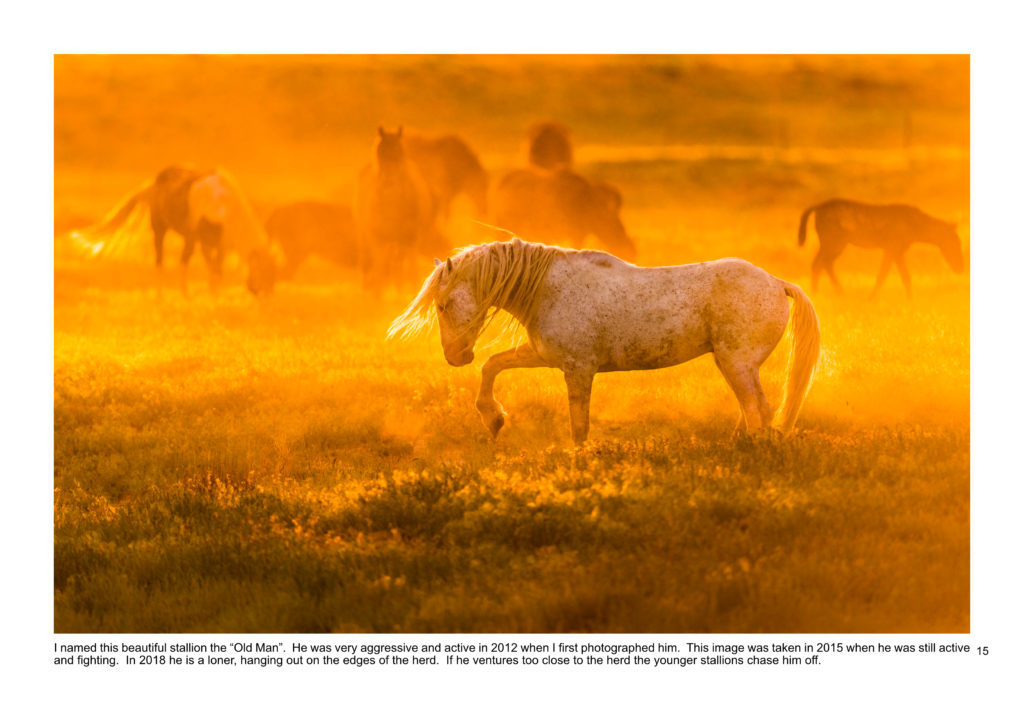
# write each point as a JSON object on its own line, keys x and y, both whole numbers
{"x": 549, "y": 145}
{"x": 892, "y": 227}
{"x": 394, "y": 212}
{"x": 450, "y": 168}
{"x": 562, "y": 206}
{"x": 206, "y": 207}
{"x": 302, "y": 229}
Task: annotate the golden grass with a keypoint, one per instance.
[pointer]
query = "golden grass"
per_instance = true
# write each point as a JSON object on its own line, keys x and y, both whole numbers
{"x": 225, "y": 466}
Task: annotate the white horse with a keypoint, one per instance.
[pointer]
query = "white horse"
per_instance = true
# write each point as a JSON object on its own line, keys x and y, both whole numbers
{"x": 587, "y": 312}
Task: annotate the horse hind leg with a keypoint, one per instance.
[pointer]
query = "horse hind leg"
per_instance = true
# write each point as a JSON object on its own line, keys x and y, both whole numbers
{"x": 829, "y": 250}
{"x": 159, "y": 233}
{"x": 817, "y": 265}
{"x": 745, "y": 382}
{"x": 883, "y": 273}
{"x": 901, "y": 266}
{"x": 186, "y": 255}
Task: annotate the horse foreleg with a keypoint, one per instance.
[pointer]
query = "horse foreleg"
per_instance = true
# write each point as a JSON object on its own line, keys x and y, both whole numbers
{"x": 209, "y": 255}
{"x": 186, "y": 255}
{"x": 579, "y": 384}
{"x": 883, "y": 273}
{"x": 492, "y": 413}
{"x": 211, "y": 238}
{"x": 744, "y": 380}
{"x": 901, "y": 265}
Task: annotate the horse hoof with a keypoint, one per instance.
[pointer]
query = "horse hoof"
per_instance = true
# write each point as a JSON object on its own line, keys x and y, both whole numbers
{"x": 495, "y": 424}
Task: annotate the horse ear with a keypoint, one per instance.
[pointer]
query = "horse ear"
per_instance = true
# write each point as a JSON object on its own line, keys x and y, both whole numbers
{"x": 437, "y": 262}
{"x": 380, "y": 130}
{"x": 448, "y": 265}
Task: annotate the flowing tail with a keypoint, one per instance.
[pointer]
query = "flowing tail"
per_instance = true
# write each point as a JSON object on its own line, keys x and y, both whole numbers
{"x": 117, "y": 219}
{"x": 803, "y": 357}
{"x": 802, "y": 236}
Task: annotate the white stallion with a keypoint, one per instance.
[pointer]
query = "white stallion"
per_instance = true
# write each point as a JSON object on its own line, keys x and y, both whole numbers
{"x": 586, "y": 312}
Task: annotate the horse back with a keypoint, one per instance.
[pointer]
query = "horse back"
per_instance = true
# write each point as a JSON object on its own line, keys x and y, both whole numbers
{"x": 310, "y": 227}
{"x": 889, "y": 226}
{"x": 169, "y": 201}
{"x": 556, "y": 204}
{"x": 446, "y": 161}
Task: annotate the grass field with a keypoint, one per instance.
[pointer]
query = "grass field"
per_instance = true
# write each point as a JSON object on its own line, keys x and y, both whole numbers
{"x": 228, "y": 465}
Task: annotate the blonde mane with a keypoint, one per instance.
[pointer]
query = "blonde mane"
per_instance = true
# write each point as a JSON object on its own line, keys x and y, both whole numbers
{"x": 504, "y": 275}
{"x": 243, "y": 230}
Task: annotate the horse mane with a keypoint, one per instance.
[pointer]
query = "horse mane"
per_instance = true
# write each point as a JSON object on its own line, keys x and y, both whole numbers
{"x": 504, "y": 275}
{"x": 243, "y": 231}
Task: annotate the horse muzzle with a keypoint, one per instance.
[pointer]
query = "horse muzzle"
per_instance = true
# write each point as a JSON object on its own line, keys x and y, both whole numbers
{"x": 459, "y": 357}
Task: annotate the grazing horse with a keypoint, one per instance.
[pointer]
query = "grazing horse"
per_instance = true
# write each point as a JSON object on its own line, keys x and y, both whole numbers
{"x": 549, "y": 146}
{"x": 586, "y": 312}
{"x": 450, "y": 168}
{"x": 206, "y": 207}
{"x": 394, "y": 212}
{"x": 562, "y": 207}
{"x": 302, "y": 229}
{"x": 891, "y": 227}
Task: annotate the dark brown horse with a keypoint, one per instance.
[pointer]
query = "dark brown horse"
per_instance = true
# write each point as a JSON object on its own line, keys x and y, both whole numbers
{"x": 562, "y": 207}
{"x": 394, "y": 213}
{"x": 892, "y": 228}
{"x": 450, "y": 168}
{"x": 550, "y": 146}
{"x": 303, "y": 229}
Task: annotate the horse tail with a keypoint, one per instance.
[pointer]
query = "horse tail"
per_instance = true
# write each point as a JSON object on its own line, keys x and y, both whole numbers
{"x": 803, "y": 357}
{"x": 114, "y": 221}
{"x": 802, "y": 236}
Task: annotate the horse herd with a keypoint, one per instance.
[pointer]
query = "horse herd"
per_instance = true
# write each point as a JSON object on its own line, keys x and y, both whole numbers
{"x": 401, "y": 210}
{"x": 583, "y": 311}
{"x": 403, "y": 203}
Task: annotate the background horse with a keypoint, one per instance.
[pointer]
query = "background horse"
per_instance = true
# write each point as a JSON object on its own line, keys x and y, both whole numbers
{"x": 394, "y": 212}
{"x": 892, "y": 227}
{"x": 450, "y": 168}
{"x": 206, "y": 207}
{"x": 562, "y": 207}
{"x": 549, "y": 146}
{"x": 587, "y": 312}
{"x": 302, "y": 229}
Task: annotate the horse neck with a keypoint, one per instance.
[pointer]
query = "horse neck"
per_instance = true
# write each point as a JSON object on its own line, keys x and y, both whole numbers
{"x": 932, "y": 231}
{"x": 522, "y": 308}
{"x": 391, "y": 169}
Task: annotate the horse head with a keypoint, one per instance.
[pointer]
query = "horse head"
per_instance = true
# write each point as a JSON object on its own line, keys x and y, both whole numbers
{"x": 606, "y": 221}
{"x": 458, "y": 315}
{"x": 550, "y": 146}
{"x": 390, "y": 151}
{"x": 949, "y": 244}
{"x": 262, "y": 273}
